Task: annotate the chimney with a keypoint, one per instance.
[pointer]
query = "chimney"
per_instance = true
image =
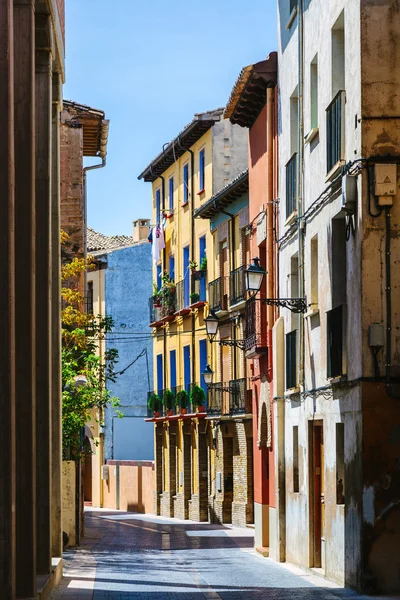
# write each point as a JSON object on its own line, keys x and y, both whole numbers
{"x": 141, "y": 229}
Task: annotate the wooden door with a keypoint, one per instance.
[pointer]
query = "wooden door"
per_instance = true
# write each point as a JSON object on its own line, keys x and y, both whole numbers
{"x": 224, "y": 274}
{"x": 318, "y": 478}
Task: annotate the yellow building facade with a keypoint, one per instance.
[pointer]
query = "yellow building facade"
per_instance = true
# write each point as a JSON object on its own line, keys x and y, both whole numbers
{"x": 184, "y": 177}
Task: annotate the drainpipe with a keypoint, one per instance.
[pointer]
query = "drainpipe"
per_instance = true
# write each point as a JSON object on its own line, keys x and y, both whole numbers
{"x": 300, "y": 169}
{"x": 233, "y": 263}
{"x": 84, "y": 185}
{"x": 270, "y": 224}
{"x": 164, "y": 268}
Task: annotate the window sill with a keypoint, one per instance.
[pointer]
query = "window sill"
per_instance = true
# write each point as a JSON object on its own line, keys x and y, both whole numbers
{"x": 311, "y": 135}
{"x": 338, "y": 379}
{"x": 203, "y": 191}
{"x": 170, "y": 216}
{"x": 292, "y": 17}
{"x": 311, "y": 313}
{"x": 291, "y": 219}
{"x": 185, "y": 203}
{"x": 292, "y": 392}
{"x": 335, "y": 170}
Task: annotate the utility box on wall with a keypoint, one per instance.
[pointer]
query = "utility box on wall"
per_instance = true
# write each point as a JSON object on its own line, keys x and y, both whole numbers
{"x": 385, "y": 183}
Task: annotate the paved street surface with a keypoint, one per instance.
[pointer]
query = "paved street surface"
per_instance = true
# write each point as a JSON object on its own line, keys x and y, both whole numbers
{"x": 128, "y": 556}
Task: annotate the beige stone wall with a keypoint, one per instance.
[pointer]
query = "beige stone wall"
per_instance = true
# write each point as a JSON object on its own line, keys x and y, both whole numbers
{"x": 69, "y": 500}
{"x": 130, "y": 486}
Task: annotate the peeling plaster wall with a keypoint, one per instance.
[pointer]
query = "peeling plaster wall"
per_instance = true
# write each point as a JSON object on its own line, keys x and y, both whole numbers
{"x": 341, "y": 554}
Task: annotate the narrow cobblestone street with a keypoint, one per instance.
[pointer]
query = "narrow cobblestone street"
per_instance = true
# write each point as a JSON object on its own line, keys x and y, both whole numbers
{"x": 129, "y": 556}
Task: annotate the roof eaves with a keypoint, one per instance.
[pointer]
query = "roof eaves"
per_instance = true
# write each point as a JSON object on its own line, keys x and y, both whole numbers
{"x": 224, "y": 196}
{"x": 201, "y": 123}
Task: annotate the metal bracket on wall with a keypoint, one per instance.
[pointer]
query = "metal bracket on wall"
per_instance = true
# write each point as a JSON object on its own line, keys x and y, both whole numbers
{"x": 233, "y": 343}
{"x": 295, "y": 305}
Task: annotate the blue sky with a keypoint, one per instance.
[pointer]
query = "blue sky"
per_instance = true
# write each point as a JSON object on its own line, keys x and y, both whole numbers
{"x": 150, "y": 66}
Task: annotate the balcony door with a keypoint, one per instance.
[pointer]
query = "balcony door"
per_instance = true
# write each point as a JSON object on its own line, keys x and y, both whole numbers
{"x": 202, "y": 255}
{"x": 186, "y": 277}
{"x": 224, "y": 273}
{"x": 317, "y": 482}
{"x": 226, "y": 359}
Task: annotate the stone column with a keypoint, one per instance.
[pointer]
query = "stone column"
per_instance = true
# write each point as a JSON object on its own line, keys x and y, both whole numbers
{"x": 56, "y": 407}
{"x": 24, "y": 140}
{"x": 43, "y": 290}
{"x": 7, "y": 349}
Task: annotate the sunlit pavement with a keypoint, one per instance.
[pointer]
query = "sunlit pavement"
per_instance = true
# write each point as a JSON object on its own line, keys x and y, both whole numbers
{"x": 130, "y": 556}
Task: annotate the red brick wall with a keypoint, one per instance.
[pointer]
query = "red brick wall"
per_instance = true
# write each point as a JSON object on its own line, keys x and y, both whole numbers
{"x": 72, "y": 202}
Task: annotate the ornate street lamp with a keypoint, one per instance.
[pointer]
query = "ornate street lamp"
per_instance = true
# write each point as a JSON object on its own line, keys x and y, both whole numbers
{"x": 208, "y": 375}
{"x": 254, "y": 277}
{"x": 211, "y": 325}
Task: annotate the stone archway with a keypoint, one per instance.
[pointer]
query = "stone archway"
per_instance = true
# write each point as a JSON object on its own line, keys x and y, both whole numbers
{"x": 264, "y": 429}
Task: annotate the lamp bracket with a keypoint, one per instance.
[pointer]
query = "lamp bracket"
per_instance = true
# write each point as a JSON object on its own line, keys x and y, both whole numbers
{"x": 295, "y": 305}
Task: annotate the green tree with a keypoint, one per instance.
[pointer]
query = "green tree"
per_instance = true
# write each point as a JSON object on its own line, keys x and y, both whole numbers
{"x": 84, "y": 371}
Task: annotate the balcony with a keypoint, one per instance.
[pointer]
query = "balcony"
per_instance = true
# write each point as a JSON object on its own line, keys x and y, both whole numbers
{"x": 171, "y": 401}
{"x": 162, "y": 305}
{"x": 335, "y": 132}
{"x": 199, "y": 282}
{"x": 229, "y": 399}
{"x": 256, "y": 340}
{"x": 154, "y": 312}
{"x": 218, "y": 295}
{"x": 237, "y": 287}
{"x": 182, "y": 300}
{"x": 291, "y": 186}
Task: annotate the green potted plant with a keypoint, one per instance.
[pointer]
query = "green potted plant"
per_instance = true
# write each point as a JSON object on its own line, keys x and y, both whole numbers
{"x": 194, "y": 297}
{"x": 156, "y": 296}
{"x": 193, "y": 265}
{"x": 198, "y": 398}
{"x": 154, "y": 404}
{"x": 168, "y": 401}
{"x": 182, "y": 401}
{"x": 203, "y": 264}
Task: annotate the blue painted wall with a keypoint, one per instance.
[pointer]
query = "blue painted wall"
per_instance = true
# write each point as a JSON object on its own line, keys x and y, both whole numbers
{"x": 128, "y": 287}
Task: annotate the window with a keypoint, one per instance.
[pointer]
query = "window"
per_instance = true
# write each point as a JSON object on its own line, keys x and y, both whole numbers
{"x": 335, "y": 112}
{"x": 172, "y": 268}
{"x": 186, "y": 276}
{"x": 338, "y": 262}
{"x": 314, "y": 272}
{"x": 334, "y": 336}
{"x": 338, "y": 56}
{"x": 340, "y": 485}
{"x": 172, "y": 369}
{"x": 202, "y": 256}
{"x": 291, "y": 366}
{"x": 314, "y": 92}
{"x": 291, "y": 167}
{"x": 186, "y": 368}
{"x": 296, "y": 479}
{"x": 160, "y": 376}
{"x": 294, "y": 288}
{"x": 201, "y": 170}
{"x": 159, "y": 269}
{"x": 89, "y": 299}
{"x": 185, "y": 183}
{"x": 203, "y": 362}
{"x": 158, "y": 206}
{"x": 171, "y": 194}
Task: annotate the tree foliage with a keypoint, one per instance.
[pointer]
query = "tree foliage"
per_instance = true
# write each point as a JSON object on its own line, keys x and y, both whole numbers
{"x": 85, "y": 369}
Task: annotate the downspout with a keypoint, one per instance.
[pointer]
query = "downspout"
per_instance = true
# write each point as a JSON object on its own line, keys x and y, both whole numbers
{"x": 84, "y": 185}
{"x": 233, "y": 263}
{"x": 163, "y": 268}
{"x": 270, "y": 224}
{"x": 300, "y": 169}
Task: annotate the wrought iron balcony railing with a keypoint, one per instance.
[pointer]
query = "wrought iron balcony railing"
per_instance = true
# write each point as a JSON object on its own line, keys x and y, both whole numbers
{"x": 335, "y": 131}
{"x": 237, "y": 286}
{"x": 291, "y": 185}
{"x": 230, "y": 398}
{"x": 218, "y": 294}
{"x": 199, "y": 293}
{"x": 181, "y": 297}
{"x": 256, "y": 326}
{"x": 154, "y": 310}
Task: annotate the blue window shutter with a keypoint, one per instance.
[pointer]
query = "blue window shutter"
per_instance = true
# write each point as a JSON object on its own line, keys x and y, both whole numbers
{"x": 171, "y": 194}
{"x": 159, "y": 277}
{"x": 202, "y": 170}
{"x": 172, "y": 268}
{"x": 186, "y": 277}
{"x": 172, "y": 368}
{"x": 158, "y": 206}
{"x": 185, "y": 184}
{"x": 160, "y": 379}
{"x": 203, "y": 362}
{"x": 202, "y": 282}
{"x": 186, "y": 367}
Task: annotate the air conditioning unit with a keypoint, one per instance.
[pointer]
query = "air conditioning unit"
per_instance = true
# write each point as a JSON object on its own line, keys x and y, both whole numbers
{"x": 105, "y": 472}
{"x": 349, "y": 193}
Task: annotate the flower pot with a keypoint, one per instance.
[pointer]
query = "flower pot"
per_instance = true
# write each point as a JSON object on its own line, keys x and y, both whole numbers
{"x": 170, "y": 413}
{"x": 201, "y": 409}
{"x": 156, "y": 414}
{"x": 183, "y": 411}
